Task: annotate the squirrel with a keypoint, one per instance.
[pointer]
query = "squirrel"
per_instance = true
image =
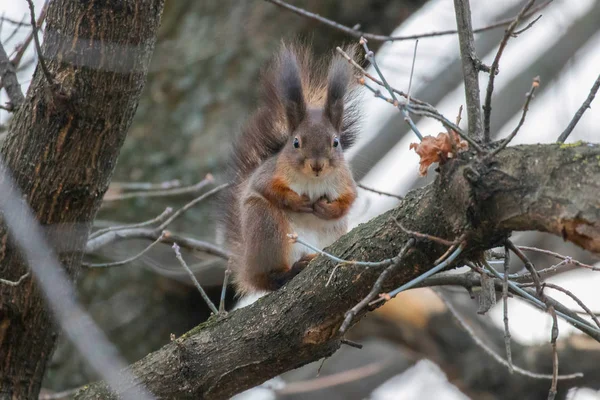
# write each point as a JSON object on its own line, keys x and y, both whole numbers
{"x": 288, "y": 170}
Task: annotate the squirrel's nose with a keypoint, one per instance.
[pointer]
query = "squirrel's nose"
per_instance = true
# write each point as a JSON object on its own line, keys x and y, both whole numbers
{"x": 317, "y": 166}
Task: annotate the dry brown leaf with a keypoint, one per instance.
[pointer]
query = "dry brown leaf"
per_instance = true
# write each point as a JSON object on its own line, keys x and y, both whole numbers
{"x": 437, "y": 149}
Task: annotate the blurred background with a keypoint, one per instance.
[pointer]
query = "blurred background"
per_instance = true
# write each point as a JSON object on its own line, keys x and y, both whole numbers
{"x": 203, "y": 85}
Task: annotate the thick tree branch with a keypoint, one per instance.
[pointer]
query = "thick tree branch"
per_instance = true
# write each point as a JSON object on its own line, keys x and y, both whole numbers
{"x": 299, "y": 323}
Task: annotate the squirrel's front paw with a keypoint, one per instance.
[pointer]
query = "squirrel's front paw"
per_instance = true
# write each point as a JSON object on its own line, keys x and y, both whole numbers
{"x": 326, "y": 210}
{"x": 302, "y": 204}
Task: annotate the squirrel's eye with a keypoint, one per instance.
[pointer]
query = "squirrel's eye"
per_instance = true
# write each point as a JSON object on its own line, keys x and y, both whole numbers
{"x": 296, "y": 143}
{"x": 336, "y": 142}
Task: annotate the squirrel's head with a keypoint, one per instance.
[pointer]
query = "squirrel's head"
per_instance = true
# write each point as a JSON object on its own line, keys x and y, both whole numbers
{"x": 317, "y": 128}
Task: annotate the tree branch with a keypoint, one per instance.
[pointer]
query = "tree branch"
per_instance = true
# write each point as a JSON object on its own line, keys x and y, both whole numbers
{"x": 586, "y": 104}
{"x": 8, "y": 77}
{"x": 229, "y": 354}
{"x": 470, "y": 64}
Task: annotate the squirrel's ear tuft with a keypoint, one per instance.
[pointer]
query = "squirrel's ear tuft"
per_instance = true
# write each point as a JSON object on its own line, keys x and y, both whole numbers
{"x": 338, "y": 81}
{"x": 290, "y": 85}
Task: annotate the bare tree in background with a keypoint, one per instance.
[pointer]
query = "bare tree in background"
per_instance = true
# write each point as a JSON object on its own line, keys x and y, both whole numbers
{"x": 62, "y": 146}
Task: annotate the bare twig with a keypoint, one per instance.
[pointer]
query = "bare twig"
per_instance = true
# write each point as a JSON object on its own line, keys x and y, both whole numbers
{"x": 389, "y": 261}
{"x": 565, "y": 313}
{"x": 534, "y": 85}
{"x": 383, "y": 38}
{"x": 470, "y": 66}
{"x": 224, "y": 290}
{"x": 147, "y": 185}
{"x": 196, "y": 283}
{"x": 175, "y": 191}
{"x": 415, "y": 106}
{"x": 576, "y": 299}
{"x": 16, "y": 60}
{"x": 412, "y": 70}
{"x": 130, "y": 259}
{"x": 505, "y": 306}
{"x": 38, "y": 48}
{"x": 487, "y": 107}
{"x": 495, "y": 355}
{"x": 559, "y": 256}
{"x": 377, "y": 288}
{"x": 192, "y": 203}
{"x": 586, "y": 104}
{"x": 528, "y": 265}
{"x": 164, "y": 215}
{"x": 360, "y": 185}
{"x": 9, "y": 80}
{"x": 59, "y": 395}
{"x": 17, "y": 282}
{"x": 402, "y": 106}
{"x": 553, "y": 338}
{"x": 153, "y": 234}
{"x": 424, "y": 235}
{"x": 444, "y": 264}
{"x": 340, "y": 378}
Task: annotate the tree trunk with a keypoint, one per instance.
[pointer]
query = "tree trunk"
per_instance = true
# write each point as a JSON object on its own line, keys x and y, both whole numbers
{"x": 549, "y": 188}
{"x": 61, "y": 150}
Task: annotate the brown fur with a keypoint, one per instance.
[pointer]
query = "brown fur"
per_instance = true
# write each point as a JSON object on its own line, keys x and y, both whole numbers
{"x": 287, "y": 171}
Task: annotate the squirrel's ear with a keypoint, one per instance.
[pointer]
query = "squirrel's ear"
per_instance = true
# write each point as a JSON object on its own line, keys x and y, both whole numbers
{"x": 291, "y": 88}
{"x": 337, "y": 86}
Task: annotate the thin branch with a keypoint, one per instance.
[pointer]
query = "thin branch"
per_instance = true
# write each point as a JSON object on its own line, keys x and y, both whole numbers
{"x": 339, "y": 378}
{"x": 565, "y": 313}
{"x": 60, "y": 395}
{"x": 38, "y": 48}
{"x": 175, "y": 183}
{"x": 16, "y": 60}
{"x": 487, "y": 107}
{"x": 8, "y": 77}
{"x": 424, "y": 235}
{"x": 360, "y": 185}
{"x": 528, "y": 265}
{"x": 412, "y": 70}
{"x": 153, "y": 234}
{"x": 192, "y": 203}
{"x": 586, "y": 104}
{"x": 130, "y": 259}
{"x": 389, "y": 261}
{"x": 224, "y": 290}
{"x": 17, "y": 282}
{"x": 377, "y": 288}
{"x": 470, "y": 67}
{"x": 576, "y": 299}
{"x": 495, "y": 355}
{"x": 196, "y": 283}
{"x": 444, "y": 264}
{"x": 534, "y": 85}
{"x": 553, "y": 338}
{"x": 505, "y": 309}
{"x": 417, "y": 107}
{"x": 559, "y": 256}
{"x": 383, "y": 38}
{"x": 164, "y": 215}
{"x": 176, "y": 191}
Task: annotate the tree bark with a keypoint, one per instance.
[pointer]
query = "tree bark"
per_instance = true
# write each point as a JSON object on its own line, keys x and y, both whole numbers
{"x": 549, "y": 188}
{"x": 61, "y": 150}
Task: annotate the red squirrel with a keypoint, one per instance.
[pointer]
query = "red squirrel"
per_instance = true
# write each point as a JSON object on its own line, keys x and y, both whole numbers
{"x": 288, "y": 170}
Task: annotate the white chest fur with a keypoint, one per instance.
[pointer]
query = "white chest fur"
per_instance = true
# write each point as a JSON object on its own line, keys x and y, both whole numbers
{"x": 316, "y": 231}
